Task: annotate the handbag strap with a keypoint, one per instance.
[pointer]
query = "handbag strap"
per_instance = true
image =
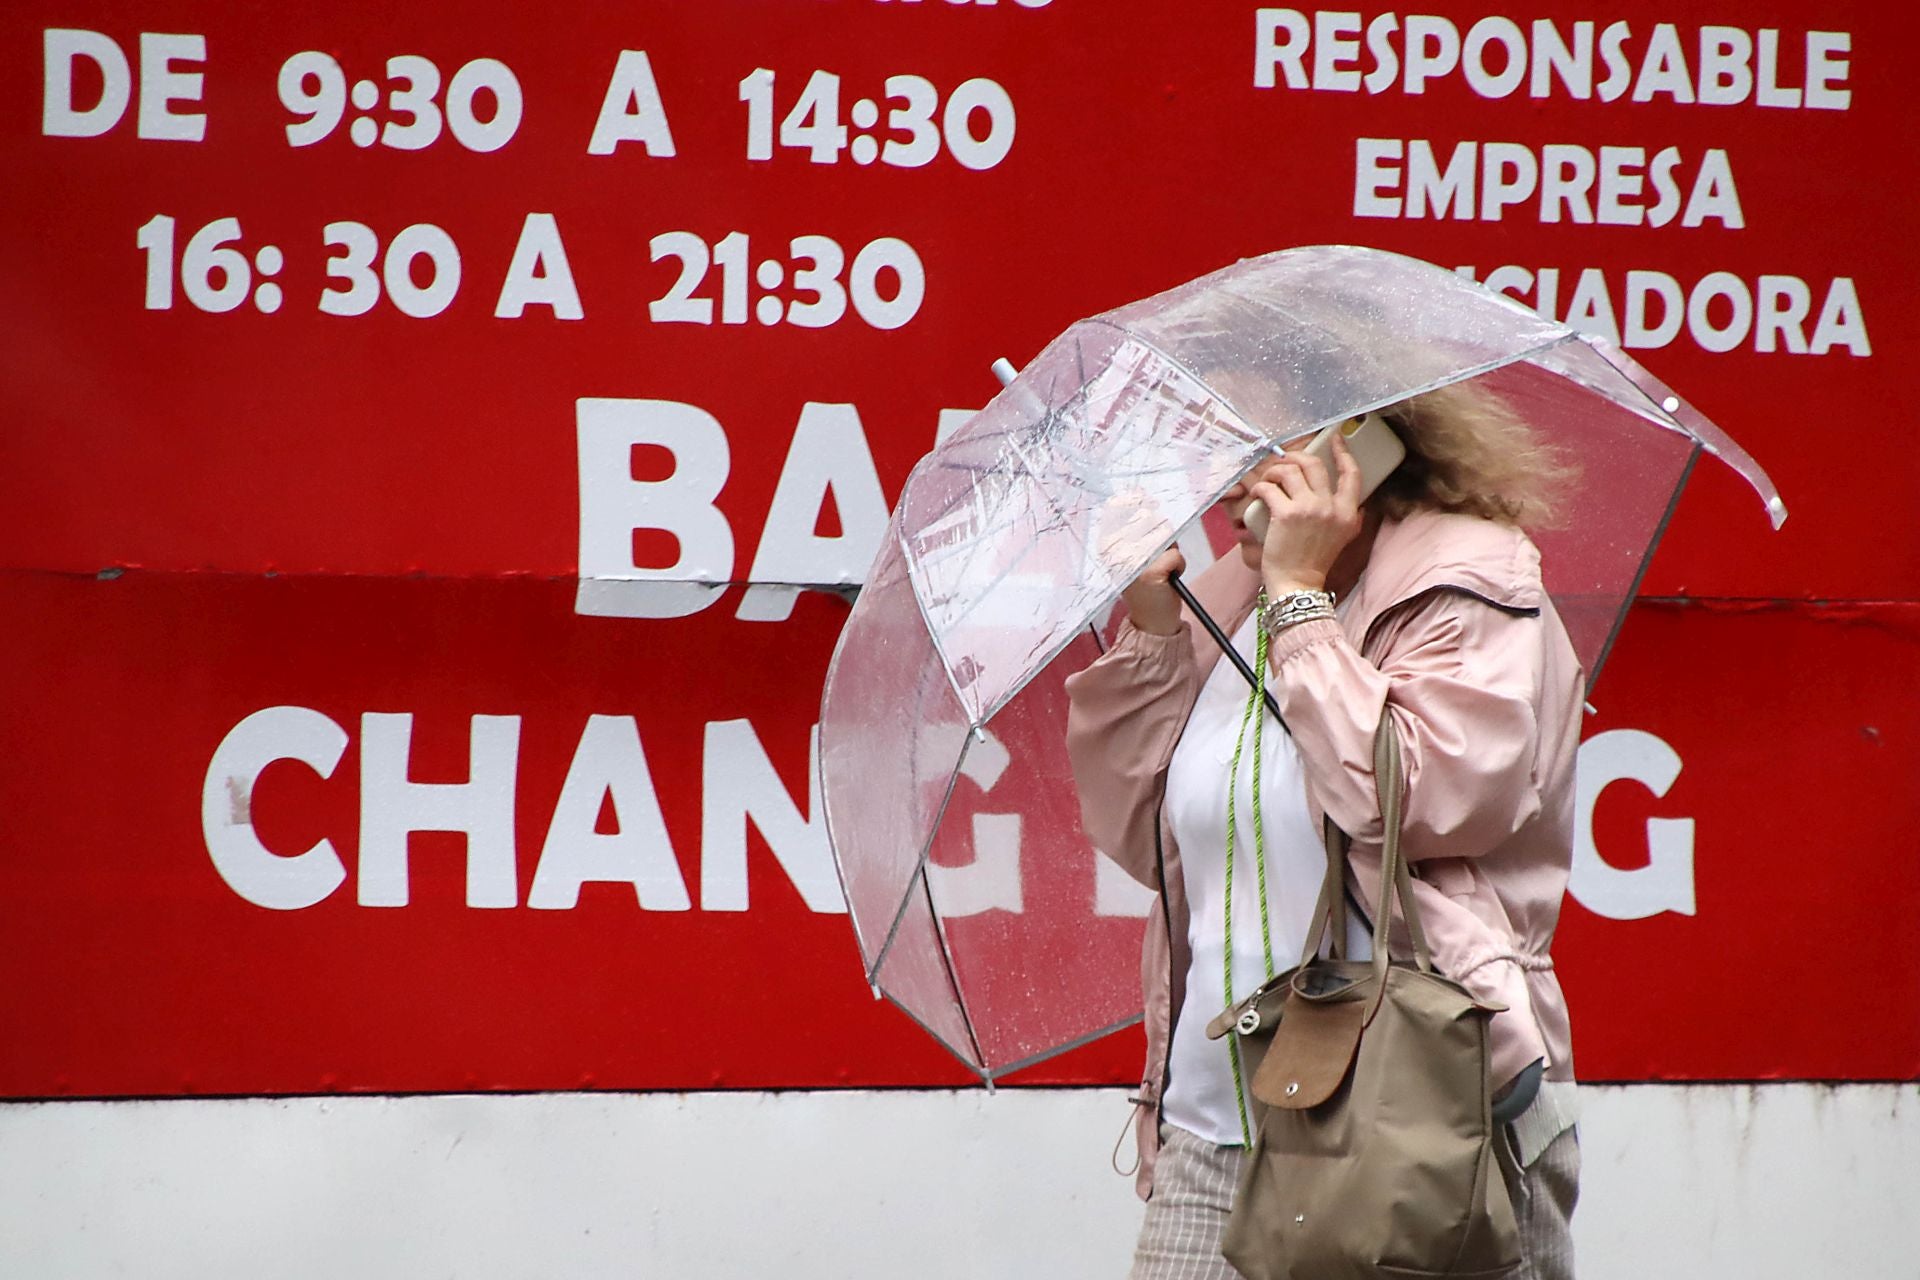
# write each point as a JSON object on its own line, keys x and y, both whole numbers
{"x": 1390, "y": 781}
{"x": 1395, "y": 879}
{"x": 1330, "y": 911}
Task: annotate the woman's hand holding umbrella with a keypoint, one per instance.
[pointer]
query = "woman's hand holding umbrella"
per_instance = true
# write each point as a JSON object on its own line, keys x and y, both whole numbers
{"x": 1151, "y": 603}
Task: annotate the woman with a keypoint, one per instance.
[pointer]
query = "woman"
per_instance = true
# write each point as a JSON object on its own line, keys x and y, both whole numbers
{"x": 1441, "y": 619}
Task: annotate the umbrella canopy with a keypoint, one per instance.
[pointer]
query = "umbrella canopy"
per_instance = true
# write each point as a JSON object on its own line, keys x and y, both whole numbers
{"x": 979, "y": 906}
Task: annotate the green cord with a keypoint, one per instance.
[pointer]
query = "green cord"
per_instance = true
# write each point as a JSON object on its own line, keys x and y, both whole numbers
{"x": 1254, "y": 699}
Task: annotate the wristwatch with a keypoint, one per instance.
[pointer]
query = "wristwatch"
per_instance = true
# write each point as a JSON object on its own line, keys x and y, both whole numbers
{"x": 1294, "y": 607}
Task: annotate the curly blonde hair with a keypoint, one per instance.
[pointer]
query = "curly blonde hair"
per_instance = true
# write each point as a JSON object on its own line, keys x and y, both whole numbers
{"x": 1468, "y": 451}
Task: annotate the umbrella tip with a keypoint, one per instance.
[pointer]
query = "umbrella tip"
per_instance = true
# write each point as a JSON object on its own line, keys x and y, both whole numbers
{"x": 1777, "y": 511}
{"x": 1003, "y": 369}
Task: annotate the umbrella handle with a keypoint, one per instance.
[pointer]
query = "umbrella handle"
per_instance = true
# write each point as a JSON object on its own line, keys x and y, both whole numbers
{"x": 1226, "y": 645}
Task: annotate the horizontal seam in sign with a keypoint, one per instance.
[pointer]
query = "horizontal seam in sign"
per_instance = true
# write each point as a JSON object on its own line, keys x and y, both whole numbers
{"x": 114, "y": 572}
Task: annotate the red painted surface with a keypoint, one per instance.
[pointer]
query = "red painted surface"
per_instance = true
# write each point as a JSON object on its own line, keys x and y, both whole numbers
{"x": 378, "y": 513}
{"x": 1797, "y": 727}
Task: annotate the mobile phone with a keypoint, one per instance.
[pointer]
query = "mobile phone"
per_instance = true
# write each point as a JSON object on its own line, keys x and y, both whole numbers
{"x": 1375, "y": 449}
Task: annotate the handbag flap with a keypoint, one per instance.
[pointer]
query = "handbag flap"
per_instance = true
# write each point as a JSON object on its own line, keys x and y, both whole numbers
{"x": 1312, "y": 1048}
{"x": 1261, "y": 1010}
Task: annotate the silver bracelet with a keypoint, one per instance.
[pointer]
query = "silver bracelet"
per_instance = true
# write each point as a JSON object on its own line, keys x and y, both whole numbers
{"x": 1293, "y": 608}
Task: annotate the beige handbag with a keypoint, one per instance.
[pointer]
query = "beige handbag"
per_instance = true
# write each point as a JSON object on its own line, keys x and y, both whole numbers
{"x": 1375, "y": 1154}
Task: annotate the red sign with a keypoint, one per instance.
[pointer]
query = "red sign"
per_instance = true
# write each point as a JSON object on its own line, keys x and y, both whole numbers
{"x": 435, "y": 437}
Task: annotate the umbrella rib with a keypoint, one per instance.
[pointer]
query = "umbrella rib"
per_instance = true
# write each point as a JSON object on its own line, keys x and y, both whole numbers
{"x": 938, "y": 1039}
{"x": 953, "y": 977}
{"x": 1646, "y": 561}
{"x": 1070, "y": 1045}
{"x": 919, "y": 867}
{"x": 1721, "y": 445}
{"x": 826, "y": 817}
{"x": 900, "y": 915}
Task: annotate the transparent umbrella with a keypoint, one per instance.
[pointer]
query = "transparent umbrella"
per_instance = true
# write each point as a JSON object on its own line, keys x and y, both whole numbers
{"x": 978, "y": 904}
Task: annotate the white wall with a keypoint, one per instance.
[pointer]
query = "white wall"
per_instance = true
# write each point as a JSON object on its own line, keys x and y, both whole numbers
{"x": 1789, "y": 1181}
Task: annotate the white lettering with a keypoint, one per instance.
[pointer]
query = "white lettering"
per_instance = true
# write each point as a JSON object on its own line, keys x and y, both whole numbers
{"x": 264, "y": 878}
{"x": 632, "y": 110}
{"x": 1591, "y": 309}
{"x": 1372, "y": 174}
{"x": 1566, "y": 175}
{"x": 1714, "y": 195}
{"x": 991, "y": 881}
{"x": 1513, "y": 281}
{"x": 1507, "y": 34}
{"x": 161, "y": 85}
{"x": 1840, "y": 322}
{"x": 608, "y": 765}
{"x": 1711, "y": 337}
{"x": 1115, "y": 893}
{"x": 539, "y": 275}
{"x": 1824, "y": 70}
{"x": 1734, "y": 64}
{"x": 392, "y": 806}
{"x": 740, "y": 786}
{"x": 829, "y": 457}
{"x": 1769, "y": 93}
{"x": 608, "y": 774}
{"x": 1507, "y": 176}
{"x": 1433, "y": 50}
{"x": 1386, "y": 63}
{"x": 1661, "y": 173}
{"x": 1725, "y": 74}
{"x": 1552, "y": 57}
{"x": 1656, "y": 307}
{"x": 1782, "y": 306}
{"x": 1641, "y": 287}
{"x": 950, "y": 421}
{"x": 1663, "y": 68}
{"x": 1665, "y": 883}
{"x": 1269, "y": 53}
{"x": 1334, "y": 42}
{"x": 1427, "y": 185}
{"x": 1546, "y": 292}
{"x": 59, "y": 118}
{"x": 1613, "y": 42}
{"x": 1618, "y": 185}
{"x": 613, "y": 506}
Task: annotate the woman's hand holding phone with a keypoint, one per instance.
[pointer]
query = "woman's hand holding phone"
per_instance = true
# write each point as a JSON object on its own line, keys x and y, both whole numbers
{"x": 1311, "y": 517}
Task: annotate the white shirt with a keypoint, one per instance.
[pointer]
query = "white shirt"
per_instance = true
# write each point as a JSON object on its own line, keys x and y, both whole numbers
{"x": 1199, "y": 1095}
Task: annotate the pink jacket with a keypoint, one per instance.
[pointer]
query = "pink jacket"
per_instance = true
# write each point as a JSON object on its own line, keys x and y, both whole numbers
{"x": 1449, "y": 627}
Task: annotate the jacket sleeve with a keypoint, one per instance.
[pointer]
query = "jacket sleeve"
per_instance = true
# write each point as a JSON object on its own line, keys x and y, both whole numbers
{"x": 1125, "y": 712}
{"x": 1461, "y": 678}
